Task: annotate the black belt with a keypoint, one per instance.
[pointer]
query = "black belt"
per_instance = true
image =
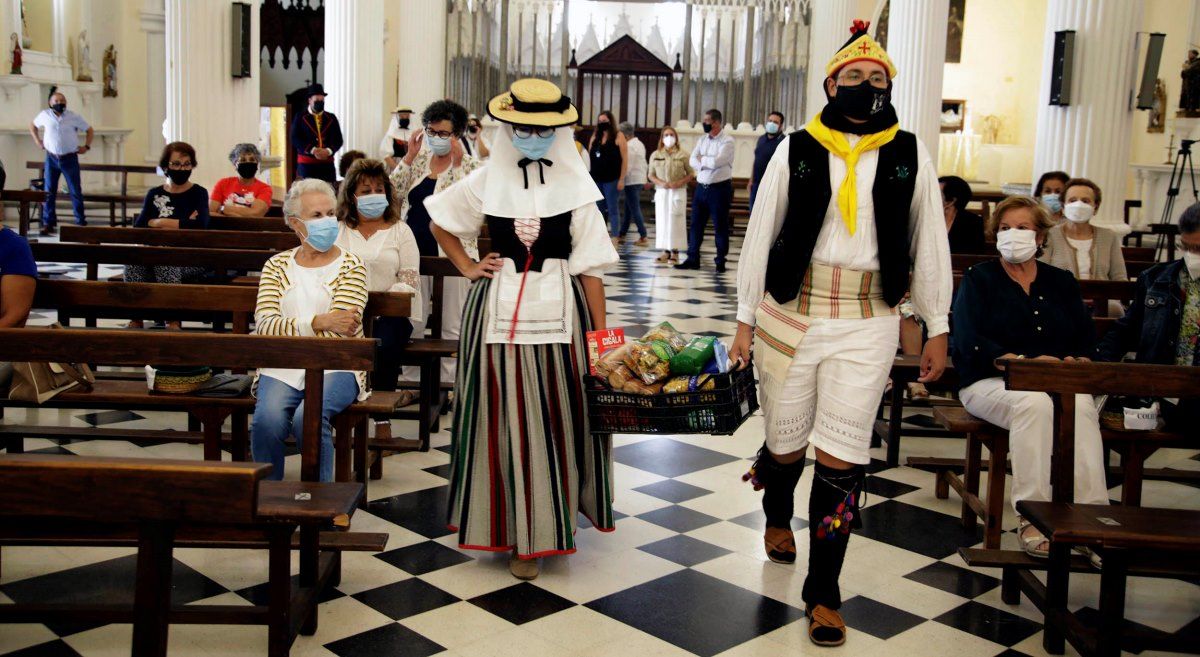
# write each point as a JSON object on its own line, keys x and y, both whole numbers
{"x": 716, "y": 184}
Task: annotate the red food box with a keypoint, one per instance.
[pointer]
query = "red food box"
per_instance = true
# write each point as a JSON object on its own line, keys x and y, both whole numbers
{"x": 601, "y": 342}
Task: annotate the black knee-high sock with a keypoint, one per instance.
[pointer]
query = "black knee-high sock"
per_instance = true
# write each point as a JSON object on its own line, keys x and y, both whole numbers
{"x": 835, "y": 494}
{"x": 779, "y": 487}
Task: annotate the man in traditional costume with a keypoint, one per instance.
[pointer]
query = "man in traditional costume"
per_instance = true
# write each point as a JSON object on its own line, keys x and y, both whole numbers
{"x": 847, "y": 219}
{"x": 523, "y": 460}
{"x": 316, "y": 136}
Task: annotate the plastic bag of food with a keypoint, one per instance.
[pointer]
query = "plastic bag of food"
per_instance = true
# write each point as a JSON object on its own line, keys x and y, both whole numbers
{"x": 619, "y": 376}
{"x": 719, "y": 364}
{"x": 633, "y": 385}
{"x": 666, "y": 333}
{"x": 611, "y": 360}
{"x": 651, "y": 360}
{"x": 689, "y": 383}
{"x": 692, "y": 359}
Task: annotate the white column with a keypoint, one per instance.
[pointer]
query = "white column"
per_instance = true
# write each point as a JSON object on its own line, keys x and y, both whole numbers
{"x": 59, "y": 7}
{"x": 1091, "y": 137}
{"x": 422, "y": 74}
{"x": 153, "y": 23}
{"x": 206, "y": 106}
{"x": 354, "y": 71}
{"x": 917, "y": 45}
{"x": 830, "y": 28}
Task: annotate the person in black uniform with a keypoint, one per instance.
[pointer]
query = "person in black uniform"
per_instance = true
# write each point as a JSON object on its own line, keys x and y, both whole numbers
{"x": 316, "y": 136}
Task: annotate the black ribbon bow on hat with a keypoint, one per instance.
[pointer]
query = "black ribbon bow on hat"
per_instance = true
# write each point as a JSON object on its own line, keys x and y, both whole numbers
{"x": 525, "y": 162}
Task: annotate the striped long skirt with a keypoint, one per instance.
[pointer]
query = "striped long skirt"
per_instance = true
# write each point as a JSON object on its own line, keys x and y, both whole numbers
{"x": 523, "y": 461}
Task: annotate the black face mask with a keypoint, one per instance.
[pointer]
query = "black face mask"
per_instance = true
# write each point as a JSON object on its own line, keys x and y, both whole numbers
{"x": 247, "y": 169}
{"x": 403, "y": 123}
{"x": 59, "y": 108}
{"x": 318, "y": 106}
{"x": 473, "y": 129}
{"x": 862, "y": 101}
{"x": 179, "y": 176}
{"x": 707, "y": 127}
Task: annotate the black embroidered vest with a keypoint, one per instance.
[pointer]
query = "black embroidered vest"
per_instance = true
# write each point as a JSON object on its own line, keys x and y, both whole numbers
{"x": 553, "y": 242}
{"x": 809, "y": 196}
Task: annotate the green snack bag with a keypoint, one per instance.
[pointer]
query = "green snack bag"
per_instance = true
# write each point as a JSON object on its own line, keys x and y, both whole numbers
{"x": 692, "y": 359}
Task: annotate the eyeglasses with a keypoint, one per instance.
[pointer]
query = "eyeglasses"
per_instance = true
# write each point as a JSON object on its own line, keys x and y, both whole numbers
{"x": 853, "y": 77}
{"x": 1187, "y": 248}
{"x": 444, "y": 134}
{"x": 180, "y": 166}
{"x": 525, "y": 132}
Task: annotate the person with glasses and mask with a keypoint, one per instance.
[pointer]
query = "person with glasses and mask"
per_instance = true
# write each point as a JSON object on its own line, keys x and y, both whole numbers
{"x": 764, "y": 150}
{"x": 846, "y": 215}
{"x": 316, "y": 289}
{"x": 394, "y": 144}
{"x": 1019, "y": 307}
{"x": 1162, "y": 325}
{"x": 434, "y": 160}
{"x": 316, "y": 136}
{"x": 60, "y": 140}
{"x": 243, "y": 195}
{"x": 523, "y": 350}
{"x": 473, "y": 139}
{"x": 179, "y": 204}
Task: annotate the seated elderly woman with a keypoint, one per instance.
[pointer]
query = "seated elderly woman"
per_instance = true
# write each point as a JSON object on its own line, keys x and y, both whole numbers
{"x": 1087, "y": 251}
{"x": 315, "y": 289}
{"x": 1017, "y": 307}
{"x": 242, "y": 195}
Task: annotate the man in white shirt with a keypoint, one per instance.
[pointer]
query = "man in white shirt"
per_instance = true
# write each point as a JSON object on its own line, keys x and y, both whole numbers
{"x": 712, "y": 158}
{"x": 60, "y": 140}
{"x": 847, "y": 220}
{"x": 635, "y": 180}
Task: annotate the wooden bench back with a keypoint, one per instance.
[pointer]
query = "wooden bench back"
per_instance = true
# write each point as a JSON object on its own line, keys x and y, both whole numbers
{"x": 106, "y": 168}
{"x": 1137, "y": 259}
{"x": 95, "y": 255}
{"x": 1103, "y": 378}
{"x": 174, "y": 348}
{"x": 271, "y": 222}
{"x": 212, "y": 239}
{"x": 125, "y": 490}
{"x": 68, "y": 295}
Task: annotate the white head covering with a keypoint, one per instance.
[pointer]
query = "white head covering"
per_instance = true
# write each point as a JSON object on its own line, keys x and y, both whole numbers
{"x": 568, "y": 185}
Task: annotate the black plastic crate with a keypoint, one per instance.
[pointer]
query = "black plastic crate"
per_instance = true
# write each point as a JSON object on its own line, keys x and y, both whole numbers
{"x": 717, "y": 412}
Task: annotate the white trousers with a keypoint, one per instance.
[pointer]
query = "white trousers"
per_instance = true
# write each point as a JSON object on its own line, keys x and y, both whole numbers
{"x": 1029, "y": 418}
{"x": 831, "y": 391}
{"x": 670, "y": 220}
{"x": 454, "y": 297}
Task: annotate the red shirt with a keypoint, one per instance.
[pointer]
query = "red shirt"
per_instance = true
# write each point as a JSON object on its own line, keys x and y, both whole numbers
{"x": 231, "y": 191}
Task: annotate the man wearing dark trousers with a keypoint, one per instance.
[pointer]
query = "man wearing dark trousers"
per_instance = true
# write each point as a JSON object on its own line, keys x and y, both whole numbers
{"x": 60, "y": 139}
{"x": 316, "y": 136}
{"x": 712, "y": 158}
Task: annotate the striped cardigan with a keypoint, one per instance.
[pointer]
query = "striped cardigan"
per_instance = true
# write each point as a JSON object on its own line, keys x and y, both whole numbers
{"x": 348, "y": 289}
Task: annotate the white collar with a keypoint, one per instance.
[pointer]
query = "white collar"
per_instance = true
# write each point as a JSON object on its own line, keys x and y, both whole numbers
{"x": 568, "y": 185}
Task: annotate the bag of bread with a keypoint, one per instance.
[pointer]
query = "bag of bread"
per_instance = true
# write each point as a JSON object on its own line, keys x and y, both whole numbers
{"x": 619, "y": 376}
{"x": 611, "y": 360}
{"x": 650, "y": 357}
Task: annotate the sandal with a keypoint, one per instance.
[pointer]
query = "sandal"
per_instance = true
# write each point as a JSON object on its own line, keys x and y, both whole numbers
{"x": 406, "y": 398}
{"x": 666, "y": 257}
{"x": 780, "y": 545}
{"x": 1032, "y": 543}
{"x": 825, "y": 626}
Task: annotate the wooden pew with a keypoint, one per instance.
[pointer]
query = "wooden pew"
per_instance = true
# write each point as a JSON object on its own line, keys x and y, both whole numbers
{"x": 1128, "y": 539}
{"x": 229, "y": 222}
{"x": 1096, "y": 292}
{"x": 121, "y": 169}
{"x": 94, "y": 255}
{"x": 27, "y": 199}
{"x": 211, "y": 239}
{"x": 1137, "y": 259}
{"x": 163, "y": 504}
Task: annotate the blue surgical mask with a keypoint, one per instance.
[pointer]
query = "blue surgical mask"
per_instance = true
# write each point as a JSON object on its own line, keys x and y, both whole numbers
{"x": 772, "y": 127}
{"x": 533, "y": 146}
{"x": 372, "y": 206}
{"x": 1053, "y": 202}
{"x": 439, "y": 145}
{"x": 322, "y": 233}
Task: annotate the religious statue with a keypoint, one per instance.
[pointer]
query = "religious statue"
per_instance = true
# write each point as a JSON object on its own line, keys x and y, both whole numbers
{"x": 1158, "y": 109}
{"x": 16, "y": 55}
{"x": 110, "y": 71}
{"x": 83, "y": 58}
{"x": 26, "y": 40}
{"x": 1189, "y": 97}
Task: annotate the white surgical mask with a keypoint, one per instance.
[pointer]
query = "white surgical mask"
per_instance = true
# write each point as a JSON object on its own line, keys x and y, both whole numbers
{"x": 1016, "y": 246}
{"x": 1078, "y": 212}
{"x": 668, "y": 141}
{"x": 1192, "y": 262}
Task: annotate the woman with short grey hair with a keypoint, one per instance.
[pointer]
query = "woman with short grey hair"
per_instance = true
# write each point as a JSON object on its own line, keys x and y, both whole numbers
{"x": 243, "y": 195}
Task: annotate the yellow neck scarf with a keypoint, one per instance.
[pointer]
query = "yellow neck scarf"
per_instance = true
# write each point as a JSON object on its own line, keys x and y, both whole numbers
{"x": 835, "y": 142}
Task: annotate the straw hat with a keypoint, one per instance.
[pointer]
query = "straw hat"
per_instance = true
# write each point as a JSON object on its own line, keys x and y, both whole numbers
{"x": 533, "y": 102}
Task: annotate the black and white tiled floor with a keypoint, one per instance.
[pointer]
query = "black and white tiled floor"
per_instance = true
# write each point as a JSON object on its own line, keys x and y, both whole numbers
{"x": 683, "y": 574}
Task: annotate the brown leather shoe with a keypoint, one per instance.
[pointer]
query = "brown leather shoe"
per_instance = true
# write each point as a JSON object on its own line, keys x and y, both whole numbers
{"x": 780, "y": 545}
{"x": 825, "y": 626}
{"x": 525, "y": 569}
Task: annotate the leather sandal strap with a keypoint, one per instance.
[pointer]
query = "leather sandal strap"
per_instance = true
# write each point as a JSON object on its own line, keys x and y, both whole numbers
{"x": 783, "y": 542}
{"x": 822, "y": 616}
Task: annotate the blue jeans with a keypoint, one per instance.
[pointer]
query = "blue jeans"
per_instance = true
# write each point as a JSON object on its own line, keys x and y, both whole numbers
{"x": 711, "y": 200}
{"x": 633, "y": 210}
{"x": 280, "y": 413}
{"x": 68, "y": 166}
{"x": 610, "y": 205}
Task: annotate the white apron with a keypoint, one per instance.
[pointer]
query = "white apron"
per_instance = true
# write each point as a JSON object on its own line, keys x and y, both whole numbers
{"x": 670, "y": 219}
{"x": 545, "y": 313}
